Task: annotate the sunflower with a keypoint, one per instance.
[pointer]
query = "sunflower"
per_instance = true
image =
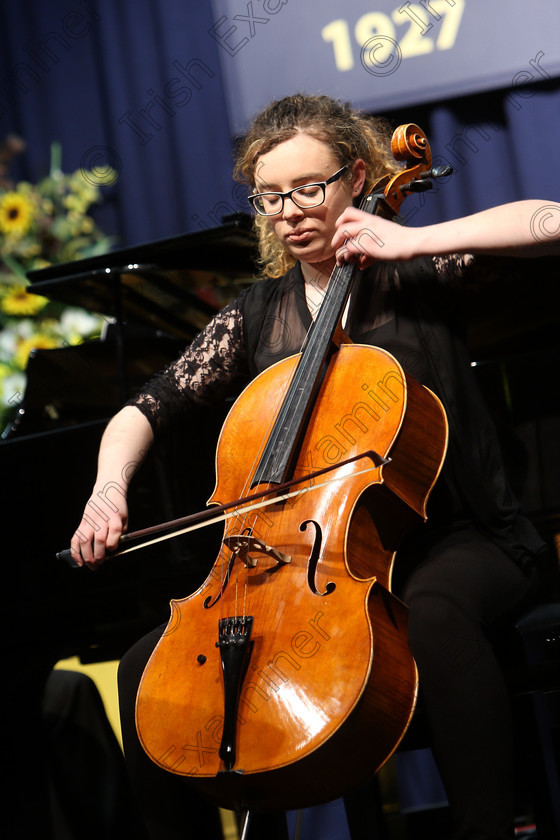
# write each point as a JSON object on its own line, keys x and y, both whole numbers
{"x": 17, "y": 301}
{"x": 16, "y": 214}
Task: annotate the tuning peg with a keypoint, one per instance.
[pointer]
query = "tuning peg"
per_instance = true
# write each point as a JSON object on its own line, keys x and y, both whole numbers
{"x": 441, "y": 171}
{"x": 418, "y": 185}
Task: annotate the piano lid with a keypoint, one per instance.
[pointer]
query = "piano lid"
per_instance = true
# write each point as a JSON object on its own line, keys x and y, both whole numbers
{"x": 174, "y": 285}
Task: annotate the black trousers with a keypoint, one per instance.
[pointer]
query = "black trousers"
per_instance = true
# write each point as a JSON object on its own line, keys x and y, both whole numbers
{"x": 458, "y": 591}
{"x": 462, "y": 593}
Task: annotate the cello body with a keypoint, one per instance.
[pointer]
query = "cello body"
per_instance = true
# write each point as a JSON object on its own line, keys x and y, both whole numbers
{"x": 286, "y": 678}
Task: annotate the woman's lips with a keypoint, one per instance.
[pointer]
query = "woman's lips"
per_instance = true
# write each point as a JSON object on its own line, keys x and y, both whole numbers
{"x": 298, "y": 236}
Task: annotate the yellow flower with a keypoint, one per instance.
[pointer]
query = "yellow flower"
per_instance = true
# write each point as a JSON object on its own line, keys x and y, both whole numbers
{"x": 16, "y": 214}
{"x": 26, "y": 345}
{"x": 40, "y": 262}
{"x": 18, "y": 302}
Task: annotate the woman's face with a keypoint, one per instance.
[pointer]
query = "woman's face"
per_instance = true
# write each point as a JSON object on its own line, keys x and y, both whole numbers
{"x": 304, "y": 159}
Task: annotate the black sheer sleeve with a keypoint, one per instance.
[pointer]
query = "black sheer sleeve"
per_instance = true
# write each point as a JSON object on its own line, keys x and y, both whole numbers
{"x": 212, "y": 367}
{"x": 453, "y": 267}
{"x": 477, "y": 270}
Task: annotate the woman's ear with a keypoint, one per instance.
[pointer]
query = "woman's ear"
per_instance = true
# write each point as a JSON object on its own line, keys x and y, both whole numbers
{"x": 358, "y": 177}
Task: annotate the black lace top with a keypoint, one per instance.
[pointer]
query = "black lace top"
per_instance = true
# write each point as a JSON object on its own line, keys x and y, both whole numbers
{"x": 267, "y": 322}
{"x": 413, "y": 310}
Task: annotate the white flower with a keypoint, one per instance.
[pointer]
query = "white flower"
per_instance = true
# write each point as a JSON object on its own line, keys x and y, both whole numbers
{"x": 8, "y": 343}
{"x": 12, "y": 335}
{"x": 24, "y": 328}
{"x": 79, "y": 322}
{"x": 12, "y": 389}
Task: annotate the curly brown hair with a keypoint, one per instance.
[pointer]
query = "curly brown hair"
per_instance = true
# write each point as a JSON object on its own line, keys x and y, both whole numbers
{"x": 350, "y": 135}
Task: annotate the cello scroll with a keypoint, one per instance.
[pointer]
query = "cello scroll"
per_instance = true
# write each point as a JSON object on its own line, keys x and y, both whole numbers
{"x": 409, "y": 144}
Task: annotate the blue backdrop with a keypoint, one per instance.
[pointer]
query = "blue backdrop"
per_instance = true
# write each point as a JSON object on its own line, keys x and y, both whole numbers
{"x": 139, "y": 85}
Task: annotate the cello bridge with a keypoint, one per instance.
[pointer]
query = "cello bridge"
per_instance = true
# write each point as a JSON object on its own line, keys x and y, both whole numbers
{"x": 242, "y": 544}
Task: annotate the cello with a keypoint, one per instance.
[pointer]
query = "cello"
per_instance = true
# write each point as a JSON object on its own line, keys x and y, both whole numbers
{"x": 285, "y": 680}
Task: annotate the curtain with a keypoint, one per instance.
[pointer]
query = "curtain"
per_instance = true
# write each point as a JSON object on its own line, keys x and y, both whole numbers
{"x": 134, "y": 85}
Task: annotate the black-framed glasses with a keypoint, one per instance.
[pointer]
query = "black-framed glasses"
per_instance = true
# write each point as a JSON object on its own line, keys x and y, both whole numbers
{"x": 304, "y": 197}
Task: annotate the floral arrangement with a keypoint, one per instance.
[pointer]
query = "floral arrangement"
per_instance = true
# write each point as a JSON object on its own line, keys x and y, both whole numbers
{"x": 41, "y": 224}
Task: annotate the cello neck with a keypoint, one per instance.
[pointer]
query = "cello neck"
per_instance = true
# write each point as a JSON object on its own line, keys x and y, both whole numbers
{"x": 276, "y": 461}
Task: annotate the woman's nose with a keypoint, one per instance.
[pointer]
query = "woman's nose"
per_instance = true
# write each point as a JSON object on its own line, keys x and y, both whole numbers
{"x": 291, "y": 210}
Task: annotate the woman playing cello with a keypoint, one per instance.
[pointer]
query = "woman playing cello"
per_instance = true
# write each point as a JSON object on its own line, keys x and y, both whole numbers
{"x": 308, "y": 160}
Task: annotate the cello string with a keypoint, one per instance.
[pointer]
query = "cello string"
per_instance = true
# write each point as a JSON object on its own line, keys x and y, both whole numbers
{"x": 248, "y": 519}
{"x": 244, "y": 516}
{"x": 315, "y": 296}
{"x": 315, "y": 304}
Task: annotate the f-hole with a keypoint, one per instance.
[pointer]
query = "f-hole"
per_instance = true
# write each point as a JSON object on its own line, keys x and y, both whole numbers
{"x": 314, "y": 559}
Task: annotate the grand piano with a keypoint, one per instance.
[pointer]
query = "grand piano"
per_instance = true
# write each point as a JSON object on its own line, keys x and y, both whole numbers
{"x": 155, "y": 297}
